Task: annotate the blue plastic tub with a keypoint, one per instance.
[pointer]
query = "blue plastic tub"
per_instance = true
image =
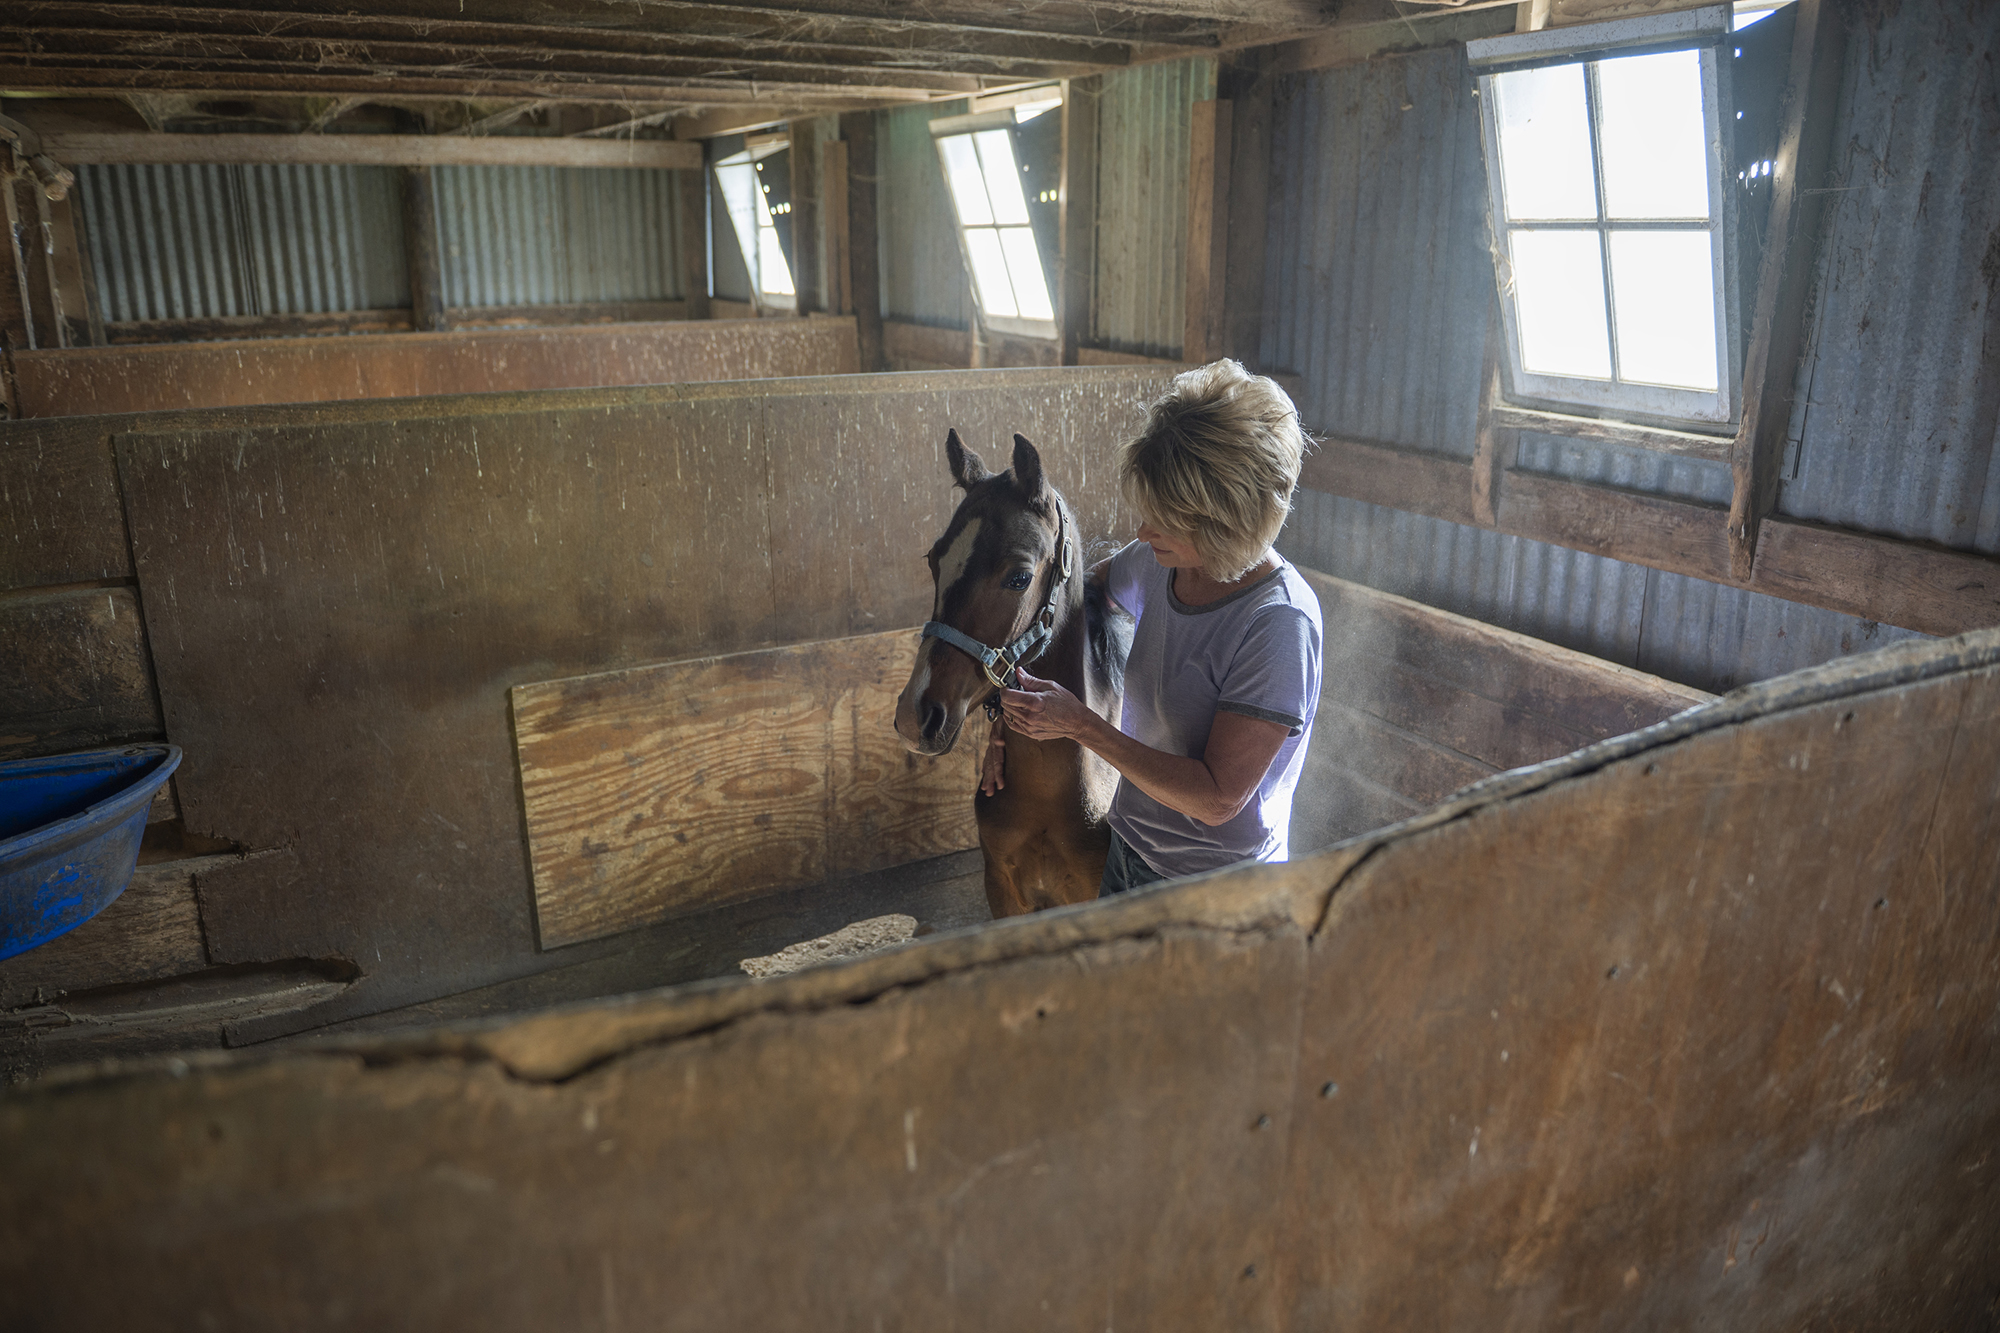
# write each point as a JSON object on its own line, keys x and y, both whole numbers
{"x": 70, "y": 827}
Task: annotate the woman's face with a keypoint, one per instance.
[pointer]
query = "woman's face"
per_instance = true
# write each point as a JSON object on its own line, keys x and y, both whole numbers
{"x": 1172, "y": 550}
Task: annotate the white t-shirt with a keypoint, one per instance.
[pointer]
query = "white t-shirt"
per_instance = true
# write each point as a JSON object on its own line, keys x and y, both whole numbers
{"x": 1255, "y": 652}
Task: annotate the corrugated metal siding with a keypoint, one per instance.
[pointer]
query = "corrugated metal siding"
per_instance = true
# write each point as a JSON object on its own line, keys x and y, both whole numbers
{"x": 1627, "y": 469}
{"x": 196, "y": 241}
{"x": 1377, "y": 282}
{"x": 1902, "y": 394}
{"x": 1701, "y": 634}
{"x": 1139, "y": 293}
{"x": 923, "y": 274}
{"x": 556, "y": 235}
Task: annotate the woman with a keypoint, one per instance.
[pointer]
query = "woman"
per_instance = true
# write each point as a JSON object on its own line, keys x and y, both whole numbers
{"x": 1224, "y": 674}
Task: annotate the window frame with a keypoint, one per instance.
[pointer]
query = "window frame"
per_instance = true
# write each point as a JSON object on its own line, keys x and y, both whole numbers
{"x": 1705, "y": 31}
{"x": 951, "y": 127}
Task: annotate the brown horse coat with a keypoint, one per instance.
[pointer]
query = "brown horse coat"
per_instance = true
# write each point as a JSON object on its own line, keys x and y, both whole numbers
{"x": 1043, "y": 833}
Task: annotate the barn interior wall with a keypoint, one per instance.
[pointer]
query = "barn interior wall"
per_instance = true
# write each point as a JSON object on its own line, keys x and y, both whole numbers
{"x": 194, "y": 241}
{"x": 1377, "y": 289}
{"x": 923, "y": 278}
{"x": 1139, "y": 288}
{"x": 336, "y": 600}
{"x": 191, "y": 241}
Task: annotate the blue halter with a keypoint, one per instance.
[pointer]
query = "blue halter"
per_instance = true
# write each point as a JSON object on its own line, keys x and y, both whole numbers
{"x": 1029, "y": 646}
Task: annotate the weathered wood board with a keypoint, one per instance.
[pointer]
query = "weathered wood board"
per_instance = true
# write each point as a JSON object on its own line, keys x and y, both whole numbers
{"x": 1693, "y": 1028}
{"x": 340, "y": 597}
{"x": 1416, "y": 702}
{"x": 102, "y": 380}
{"x": 660, "y": 790}
{"x": 74, "y": 673}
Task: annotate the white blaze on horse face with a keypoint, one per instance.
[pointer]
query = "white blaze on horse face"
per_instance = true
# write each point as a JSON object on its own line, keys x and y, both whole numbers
{"x": 951, "y": 568}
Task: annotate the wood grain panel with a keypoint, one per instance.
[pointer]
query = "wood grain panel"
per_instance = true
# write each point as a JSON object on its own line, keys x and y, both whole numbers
{"x": 661, "y": 790}
{"x": 60, "y": 518}
{"x": 1416, "y": 702}
{"x": 74, "y": 673}
{"x": 889, "y": 804}
{"x": 1719, "y": 1017}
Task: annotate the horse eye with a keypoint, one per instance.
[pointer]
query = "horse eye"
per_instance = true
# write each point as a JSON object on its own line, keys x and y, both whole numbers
{"x": 1020, "y": 581}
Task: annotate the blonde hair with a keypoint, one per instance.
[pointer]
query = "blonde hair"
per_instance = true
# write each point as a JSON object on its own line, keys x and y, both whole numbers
{"x": 1217, "y": 463}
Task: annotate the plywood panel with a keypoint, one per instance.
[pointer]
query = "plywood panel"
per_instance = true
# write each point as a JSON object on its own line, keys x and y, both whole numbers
{"x": 661, "y": 790}
{"x": 73, "y": 673}
{"x": 99, "y": 380}
{"x": 1015, "y": 1145}
{"x": 1719, "y": 1024}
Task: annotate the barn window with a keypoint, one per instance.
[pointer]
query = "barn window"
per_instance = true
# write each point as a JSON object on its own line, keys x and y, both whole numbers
{"x": 990, "y": 170}
{"x": 756, "y": 190}
{"x": 1611, "y": 224}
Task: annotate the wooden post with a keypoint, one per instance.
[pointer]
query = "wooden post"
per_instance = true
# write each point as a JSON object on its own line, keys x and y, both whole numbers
{"x": 1784, "y": 280}
{"x": 863, "y": 266}
{"x": 833, "y": 195}
{"x": 1249, "y": 93}
{"x": 1210, "y": 137}
{"x": 805, "y": 217}
{"x": 1076, "y": 259}
{"x": 1493, "y": 445}
{"x": 17, "y": 322}
{"x": 421, "y": 238}
{"x": 76, "y": 285}
{"x": 691, "y": 236}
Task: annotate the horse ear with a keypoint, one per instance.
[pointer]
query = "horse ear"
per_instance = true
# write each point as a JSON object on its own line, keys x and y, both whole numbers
{"x": 967, "y": 468}
{"x": 1028, "y": 469}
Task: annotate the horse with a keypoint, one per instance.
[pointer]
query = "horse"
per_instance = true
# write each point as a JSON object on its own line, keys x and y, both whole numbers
{"x": 1008, "y": 571}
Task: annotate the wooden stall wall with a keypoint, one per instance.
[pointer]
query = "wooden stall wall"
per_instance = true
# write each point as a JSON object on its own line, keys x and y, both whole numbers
{"x": 337, "y": 600}
{"x": 1691, "y": 1028}
{"x": 1416, "y": 703}
{"x": 167, "y": 376}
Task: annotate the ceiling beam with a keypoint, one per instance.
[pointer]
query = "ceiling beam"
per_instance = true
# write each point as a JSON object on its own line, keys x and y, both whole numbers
{"x": 100, "y": 50}
{"x": 381, "y": 150}
{"x": 422, "y": 84}
{"x": 152, "y": 31}
{"x": 637, "y": 27}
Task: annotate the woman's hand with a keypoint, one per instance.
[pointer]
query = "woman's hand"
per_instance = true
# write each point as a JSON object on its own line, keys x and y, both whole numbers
{"x": 1045, "y": 711}
{"x": 993, "y": 767}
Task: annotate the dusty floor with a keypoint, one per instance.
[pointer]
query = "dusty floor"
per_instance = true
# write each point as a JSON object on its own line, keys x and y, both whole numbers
{"x": 944, "y": 893}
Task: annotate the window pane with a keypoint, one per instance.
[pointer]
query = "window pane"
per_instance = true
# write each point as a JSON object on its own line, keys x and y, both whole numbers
{"x": 1003, "y": 176}
{"x": 1650, "y": 125}
{"x": 1545, "y": 144}
{"x": 1559, "y": 303}
{"x": 1663, "y": 287}
{"x": 774, "y": 275}
{"x": 1031, "y": 289}
{"x": 968, "y": 188}
{"x": 740, "y": 195}
{"x": 989, "y": 271}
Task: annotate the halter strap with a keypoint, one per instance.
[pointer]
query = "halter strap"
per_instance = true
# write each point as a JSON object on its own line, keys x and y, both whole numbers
{"x": 1030, "y": 645}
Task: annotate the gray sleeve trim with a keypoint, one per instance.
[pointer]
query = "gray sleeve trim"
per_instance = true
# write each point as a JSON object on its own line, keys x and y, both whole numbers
{"x": 1296, "y": 724}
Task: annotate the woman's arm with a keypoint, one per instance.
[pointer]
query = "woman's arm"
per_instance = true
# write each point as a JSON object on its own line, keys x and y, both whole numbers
{"x": 1212, "y": 789}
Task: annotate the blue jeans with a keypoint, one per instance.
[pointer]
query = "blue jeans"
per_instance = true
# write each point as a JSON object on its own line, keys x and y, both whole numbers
{"x": 1125, "y": 870}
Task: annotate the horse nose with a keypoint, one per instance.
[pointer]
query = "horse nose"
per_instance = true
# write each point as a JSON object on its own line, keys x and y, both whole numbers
{"x": 933, "y": 720}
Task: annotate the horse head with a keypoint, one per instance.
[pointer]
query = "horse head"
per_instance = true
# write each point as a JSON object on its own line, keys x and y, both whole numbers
{"x": 999, "y": 571}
